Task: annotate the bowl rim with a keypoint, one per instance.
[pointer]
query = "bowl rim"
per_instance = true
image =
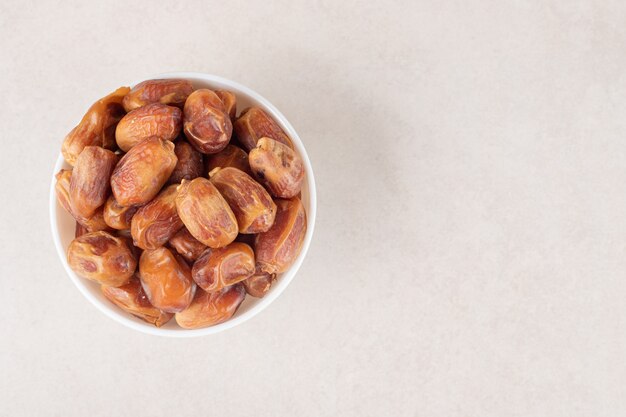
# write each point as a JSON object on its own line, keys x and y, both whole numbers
{"x": 262, "y": 303}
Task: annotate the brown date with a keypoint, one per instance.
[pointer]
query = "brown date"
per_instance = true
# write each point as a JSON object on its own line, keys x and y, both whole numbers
{"x": 132, "y": 298}
{"x": 166, "y": 280}
{"x": 154, "y": 224}
{"x": 190, "y": 164}
{"x": 277, "y": 248}
{"x": 230, "y": 102}
{"x": 211, "y": 308}
{"x": 186, "y": 245}
{"x": 168, "y": 91}
{"x": 141, "y": 173}
{"x": 97, "y": 127}
{"x": 254, "y": 124}
{"x": 206, "y": 123}
{"x": 116, "y": 216}
{"x": 205, "y": 213}
{"x": 94, "y": 223}
{"x": 259, "y": 283}
{"x": 252, "y": 205}
{"x": 219, "y": 268}
{"x": 101, "y": 257}
{"x": 230, "y": 156}
{"x": 155, "y": 119}
{"x": 278, "y": 167}
{"x": 89, "y": 184}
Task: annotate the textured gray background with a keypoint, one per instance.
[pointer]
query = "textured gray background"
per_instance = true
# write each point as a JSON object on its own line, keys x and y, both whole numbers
{"x": 469, "y": 255}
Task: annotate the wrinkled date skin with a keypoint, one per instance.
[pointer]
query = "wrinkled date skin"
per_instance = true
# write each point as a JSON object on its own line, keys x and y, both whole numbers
{"x": 190, "y": 164}
{"x": 230, "y": 102}
{"x": 219, "y": 268}
{"x": 166, "y": 280}
{"x": 206, "y": 123}
{"x": 173, "y": 92}
{"x": 89, "y": 184}
{"x": 94, "y": 223}
{"x": 211, "y": 308}
{"x": 97, "y": 127}
{"x": 101, "y": 257}
{"x": 252, "y": 205}
{"x": 155, "y": 119}
{"x": 205, "y": 213}
{"x": 278, "y": 167}
{"x": 186, "y": 245}
{"x": 230, "y": 156}
{"x": 277, "y": 248}
{"x": 116, "y": 216}
{"x": 156, "y": 222}
{"x": 141, "y": 173}
{"x": 259, "y": 283}
{"x": 254, "y": 124}
{"x": 132, "y": 298}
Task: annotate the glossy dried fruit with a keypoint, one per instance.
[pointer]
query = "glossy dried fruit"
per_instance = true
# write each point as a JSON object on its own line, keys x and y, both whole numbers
{"x": 132, "y": 298}
{"x": 252, "y": 205}
{"x": 279, "y": 247}
{"x": 155, "y": 119}
{"x": 101, "y": 257}
{"x": 97, "y": 127}
{"x": 190, "y": 164}
{"x": 253, "y": 124}
{"x": 208, "y": 309}
{"x": 186, "y": 245}
{"x": 173, "y": 92}
{"x": 166, "y": 280}
{"x": 205, "y": 213}
{"x": 89, "y": 184}
{"x": 230, "y": 102}
{"x": 206, "y": 123}
{"x": 278, "y": 167}
{"x": 219, "y": 268}
{"x": 156, "y": 222}
{"x": 94, "y": 223}
{"x": 116, "y": 216}
{"x": 141, "y": 173}
{"x": 230, "y": 156}
{"x": 259, "y": 283}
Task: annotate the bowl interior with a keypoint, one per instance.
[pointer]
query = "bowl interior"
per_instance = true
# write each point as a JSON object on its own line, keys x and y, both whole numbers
{"x": 63, "y": 224}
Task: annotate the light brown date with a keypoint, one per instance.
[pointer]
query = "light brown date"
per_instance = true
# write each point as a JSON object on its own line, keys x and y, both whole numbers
{"x": 173, "y": 92}
{"x": 211, "y": 308}
{"x": 190, "y": 164}
{"x": 206, "y": 123}
{"x": 186, "y": 245}
{"x": 89, "y": 184}
{"x": 97, "y": 127}
{"x": 230, "y": 156}
{"x": 132, "y": 298}
{"x": 116, "y": 216}
{"x": 279, "y": 247}
{"x": 205, "y": 213}
{"x": 278, "y": 167}
{"x": 101, "y": 257}
{"x": 166, "y": 280}
{"x": 155, "y": 119}
{"x": 252, "y": 205}
{"x": 96, "y": 222}
{"x": 219, "y": 268}
{"x": 141, "y": 173}
{"x": 254, "y": 124}
{"x": 259, "y": 283}
{"x": 156, "y": 222}
{"x": 230, "y": 102}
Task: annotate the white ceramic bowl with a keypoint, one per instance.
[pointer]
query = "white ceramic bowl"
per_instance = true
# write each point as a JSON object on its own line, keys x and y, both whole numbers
{"x": 63, "y": 224}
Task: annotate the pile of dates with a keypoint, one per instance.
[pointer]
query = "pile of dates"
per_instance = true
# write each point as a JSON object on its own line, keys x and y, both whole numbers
{"x": 181, "y": 206}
